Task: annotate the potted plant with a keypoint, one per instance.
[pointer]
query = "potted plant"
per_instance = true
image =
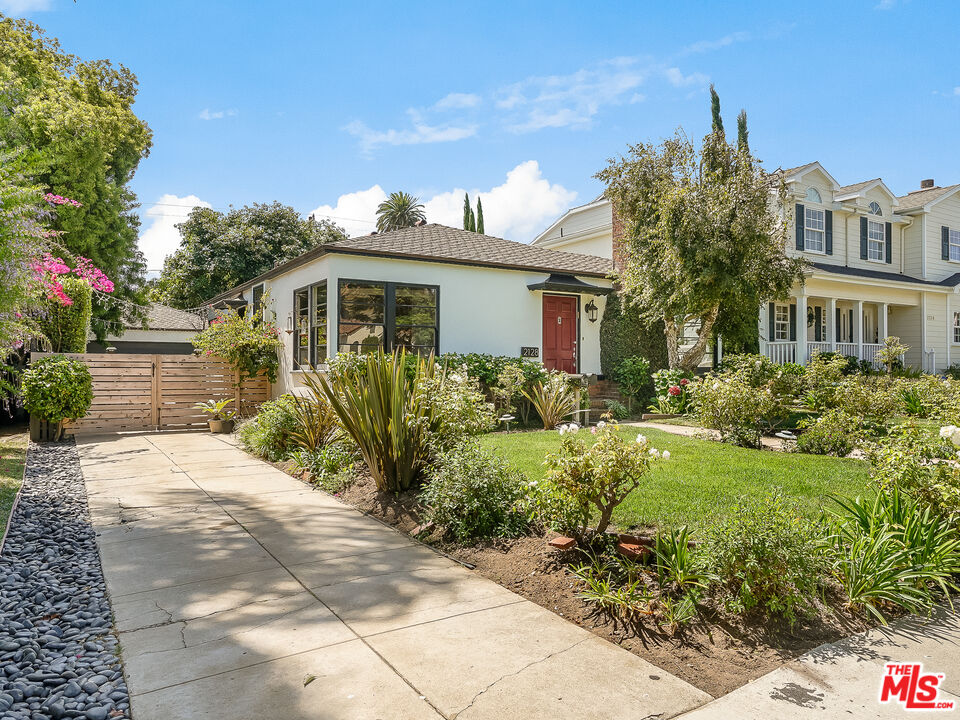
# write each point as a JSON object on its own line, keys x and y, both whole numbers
{"x": 221, "y": 419}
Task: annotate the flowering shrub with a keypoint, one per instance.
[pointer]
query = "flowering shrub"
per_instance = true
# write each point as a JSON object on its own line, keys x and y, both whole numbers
{"x": 765, "y": 554}
{"x": 873, "y": 398}
{"x": 598, "y": 477}
{"x": 57, "y": 388}
{"x": 823, "y": 375}
{"x": 503, "y": 379}
{"x": 892, "y": 352}
{"x": 457, "y": 405}
{"x": 65, "y": 317}
{"x": 633, "y": 376}
{"x": 727, "y": 402}
{"x": 672, "y": 391}
{"x": 475, "y": 494}
{"x": 250, "y": 343}
{"x": 61, "y": 200}
{"x": 914, "y": 462}
{"x": 833, "y": 433}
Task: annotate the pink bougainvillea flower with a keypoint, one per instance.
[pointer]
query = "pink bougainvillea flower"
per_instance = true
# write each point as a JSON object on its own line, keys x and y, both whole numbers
{"x": 55, "y": 199}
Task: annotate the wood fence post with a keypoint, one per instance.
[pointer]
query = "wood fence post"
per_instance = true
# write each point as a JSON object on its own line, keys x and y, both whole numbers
{"x": 155, "y": 391}
{"x": 237, "y": 395}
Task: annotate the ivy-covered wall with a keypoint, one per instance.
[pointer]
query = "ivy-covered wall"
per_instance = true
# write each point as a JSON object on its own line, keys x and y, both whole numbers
{"x": 624, "y": 334}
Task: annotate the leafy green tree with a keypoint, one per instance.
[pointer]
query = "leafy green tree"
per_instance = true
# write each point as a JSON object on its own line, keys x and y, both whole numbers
{"x": 219, "y": 251}
{"x": 400, "y": 210}
{"x": 77, "y": 118}
{"x": 479, "y": 216}
{"x": 701, "y": 234}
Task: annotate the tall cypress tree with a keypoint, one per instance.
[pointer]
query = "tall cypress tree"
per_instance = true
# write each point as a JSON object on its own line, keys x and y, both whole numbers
{"x": 473, "y": 222}
{"x": 743, "y": 145}
{"x": 479, "y": 216}
{"x": 466, "y": 211}
{"x": 715, "y": 110}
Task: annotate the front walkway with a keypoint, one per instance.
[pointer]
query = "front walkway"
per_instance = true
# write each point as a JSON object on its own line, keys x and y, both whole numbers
{"x": 241, "y": 593}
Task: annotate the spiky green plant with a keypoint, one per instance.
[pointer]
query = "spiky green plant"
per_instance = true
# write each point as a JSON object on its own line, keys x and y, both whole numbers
{"x": 389, "y": 422}
{"x": 676, "y": 564}
{"x": 553, "y": 400}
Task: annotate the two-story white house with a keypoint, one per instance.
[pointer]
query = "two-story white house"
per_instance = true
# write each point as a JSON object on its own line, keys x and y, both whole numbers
{"x": 879, "y": 265}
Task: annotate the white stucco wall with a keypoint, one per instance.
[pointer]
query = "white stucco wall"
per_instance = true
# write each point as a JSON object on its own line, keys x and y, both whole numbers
{"x": 483, "y": 310}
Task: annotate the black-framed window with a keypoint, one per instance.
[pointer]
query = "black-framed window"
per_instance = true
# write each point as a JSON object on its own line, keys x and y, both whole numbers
{"x": 388, "y": 315}
{"x": 310, "y": 325}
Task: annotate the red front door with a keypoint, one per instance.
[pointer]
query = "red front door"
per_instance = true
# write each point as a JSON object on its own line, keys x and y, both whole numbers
{"x": 560, "y": 332}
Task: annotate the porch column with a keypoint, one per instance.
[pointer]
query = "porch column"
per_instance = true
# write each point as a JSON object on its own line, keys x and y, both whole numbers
{"x": 858, "y": 327}
{"x": 801, "y": 329}
{"x": 881, "y": 321}
{"x": 832, "y": 323}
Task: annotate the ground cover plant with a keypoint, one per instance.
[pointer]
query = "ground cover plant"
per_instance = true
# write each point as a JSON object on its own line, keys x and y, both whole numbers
{"x": 13, "y": 456}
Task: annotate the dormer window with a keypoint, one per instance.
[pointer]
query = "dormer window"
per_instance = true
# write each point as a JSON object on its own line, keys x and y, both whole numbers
{"x": 813, "y": 195}
{"x": 875, "y": 209}
{"x": 813, "y": 229}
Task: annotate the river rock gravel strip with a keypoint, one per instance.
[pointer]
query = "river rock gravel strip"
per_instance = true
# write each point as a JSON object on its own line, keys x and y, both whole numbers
{"x": 58, "y": 651}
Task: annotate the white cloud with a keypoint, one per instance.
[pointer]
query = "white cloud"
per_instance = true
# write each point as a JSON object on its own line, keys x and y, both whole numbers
{"x": 355, "y": 212}
{"x": 162, "y": 238}
{"x": 208, "y": 114}
{"x": 421, "y": 133}
{"x": 678, "y": 79}
{"x": 23, "y": 7}
{"x": 709, "y": 45}
{"x": 569, "y": 100}
{"x": 457, "y": 101}
{"x": 956, "y": 90}
{"x": 517, "y": 209}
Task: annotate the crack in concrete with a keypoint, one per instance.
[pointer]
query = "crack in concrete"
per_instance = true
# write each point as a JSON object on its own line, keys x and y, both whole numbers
{"x": 500, "y": 679}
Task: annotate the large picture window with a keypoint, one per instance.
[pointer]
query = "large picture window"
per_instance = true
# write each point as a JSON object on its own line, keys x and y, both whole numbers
{"x": 387, "y": 315}
{"x": 310, "y": 325}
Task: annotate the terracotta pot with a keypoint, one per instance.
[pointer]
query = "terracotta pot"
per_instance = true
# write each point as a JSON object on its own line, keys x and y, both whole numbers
{"x": 221, "y": 426}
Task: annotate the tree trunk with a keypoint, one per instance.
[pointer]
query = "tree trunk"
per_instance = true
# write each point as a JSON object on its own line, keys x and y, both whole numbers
{"x": 692, "y": 357}
{"x": 673, "y": 342}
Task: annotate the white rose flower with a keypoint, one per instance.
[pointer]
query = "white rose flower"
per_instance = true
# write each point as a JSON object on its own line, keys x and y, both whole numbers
{"x": 666, "y": 455}
{"x": 654, "y": 452}
{"x": 601, "y": 424}
{"x": 641, "y": 438}
{"x": 947, "y": 431}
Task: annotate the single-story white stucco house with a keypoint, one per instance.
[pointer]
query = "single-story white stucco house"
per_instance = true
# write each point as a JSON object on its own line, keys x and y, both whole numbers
{"x": 434, "y": 288}
{"x": 164, "y": 331}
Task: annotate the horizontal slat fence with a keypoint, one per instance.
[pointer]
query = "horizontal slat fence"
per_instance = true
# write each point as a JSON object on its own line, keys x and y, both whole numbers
{"x": 137, "y": 392}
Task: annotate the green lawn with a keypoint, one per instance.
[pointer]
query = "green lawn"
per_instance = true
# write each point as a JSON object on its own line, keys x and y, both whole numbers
{"x": 13, "y": 453}
{"x": 702, "y": 479}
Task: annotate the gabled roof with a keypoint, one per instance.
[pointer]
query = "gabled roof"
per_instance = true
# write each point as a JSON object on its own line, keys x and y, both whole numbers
{"x": 599, "y": 201}
{"x": 794, "y": 174}
{"x": 861, "y": 188}
{"x": 439, "y": 243}
{"x": 920, "y": 199}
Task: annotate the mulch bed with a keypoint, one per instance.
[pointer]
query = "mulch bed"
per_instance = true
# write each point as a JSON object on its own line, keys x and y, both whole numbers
{"x": 717, "y": 652}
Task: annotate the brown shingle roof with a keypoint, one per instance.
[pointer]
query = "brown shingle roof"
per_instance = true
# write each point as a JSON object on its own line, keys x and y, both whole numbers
{"x": 919, "y": 198}
{"x": 856, "y": 187}
{"x": 164, "y": 317}
{"x": 439, "y": 243}
{"x": 791, "y": 171}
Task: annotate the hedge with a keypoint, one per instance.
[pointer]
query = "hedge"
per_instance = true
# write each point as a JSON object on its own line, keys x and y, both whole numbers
{"x": 66, "y": 326}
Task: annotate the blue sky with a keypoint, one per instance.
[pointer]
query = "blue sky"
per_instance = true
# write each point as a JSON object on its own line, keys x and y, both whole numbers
{"x": 326, "y": 106}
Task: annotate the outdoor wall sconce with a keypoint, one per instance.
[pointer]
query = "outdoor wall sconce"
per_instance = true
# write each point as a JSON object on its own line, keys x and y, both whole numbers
{"x": 591, "y": 308}
{"x": 289, "y": 327}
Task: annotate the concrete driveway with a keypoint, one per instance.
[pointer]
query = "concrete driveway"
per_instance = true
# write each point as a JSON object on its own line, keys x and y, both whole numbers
{"x": 241, "y": 593}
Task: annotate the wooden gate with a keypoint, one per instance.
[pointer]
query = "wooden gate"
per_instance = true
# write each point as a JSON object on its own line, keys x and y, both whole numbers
{"x": 158, "y": 392}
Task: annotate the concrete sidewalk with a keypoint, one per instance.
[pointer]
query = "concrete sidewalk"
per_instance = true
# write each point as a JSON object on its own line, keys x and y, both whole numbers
{"x": 842, "y": 680}
{"x": 241, "y": 593}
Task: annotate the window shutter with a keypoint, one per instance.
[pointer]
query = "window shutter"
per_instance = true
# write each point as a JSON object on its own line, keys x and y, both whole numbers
{"x": 818, "y": 324}
{"x": 863, "y": 238}
{"x": 793, "y": 322}
{"x": 944, "y": 242}
{"x": 799, "y": 226}
{"x": 850, "y": 333}
{"x": 771, "y": 322}
{"x": 838, "y": 326}
{"x": 828, "y": 231}
{"x": 888, "y": 237}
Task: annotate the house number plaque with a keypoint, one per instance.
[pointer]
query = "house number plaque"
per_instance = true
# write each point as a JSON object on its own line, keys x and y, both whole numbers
{"x": 530, "y": 352}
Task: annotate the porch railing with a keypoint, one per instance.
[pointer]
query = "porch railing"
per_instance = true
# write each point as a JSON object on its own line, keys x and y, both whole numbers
{"x": 782, "y": 352}
{"x": 813, "y": 347}
{"x": 847, "y": 349}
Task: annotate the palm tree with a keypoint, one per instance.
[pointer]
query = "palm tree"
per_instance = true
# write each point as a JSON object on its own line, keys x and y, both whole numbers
{"x": 399, "y": 210}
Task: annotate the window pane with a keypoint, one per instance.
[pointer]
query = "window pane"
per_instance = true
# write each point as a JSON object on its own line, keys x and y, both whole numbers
{"x": 416, "y": 316}
{"x": 301, "y": 327}
{"x": 357, "y": 337}
{"x": 415, "y": 337}
{"x": 362, "y": 302}
{"x": 407, "y": 295}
